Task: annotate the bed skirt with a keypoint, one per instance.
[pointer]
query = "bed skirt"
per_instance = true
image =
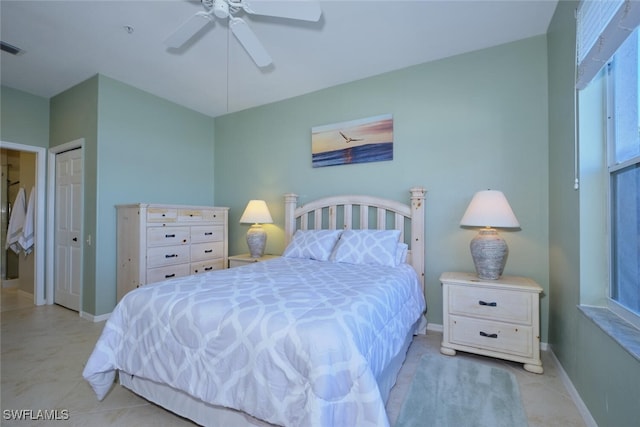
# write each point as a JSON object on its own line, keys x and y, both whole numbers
{"x": 207, "y": 414}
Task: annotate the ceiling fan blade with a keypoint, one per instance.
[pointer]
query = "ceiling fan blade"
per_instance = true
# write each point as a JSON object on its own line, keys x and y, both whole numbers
{"x": 187, "y": 30}
{"x": 250, "y": 42}
{"x": 305, "y": 10}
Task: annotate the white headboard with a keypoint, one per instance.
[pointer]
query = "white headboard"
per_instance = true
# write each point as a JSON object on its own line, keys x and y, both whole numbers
{"x": 363, "y": 212}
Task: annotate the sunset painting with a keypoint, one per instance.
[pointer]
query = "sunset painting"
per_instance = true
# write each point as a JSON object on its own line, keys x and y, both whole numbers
{"x": 355, "y": 141}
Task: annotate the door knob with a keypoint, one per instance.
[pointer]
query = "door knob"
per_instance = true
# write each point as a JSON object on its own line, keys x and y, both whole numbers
{"x": 75, "y": 239}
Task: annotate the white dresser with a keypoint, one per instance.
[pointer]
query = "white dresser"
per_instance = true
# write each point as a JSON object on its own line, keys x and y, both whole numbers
{"x": 158, "y": 242}
{"x": 497, "y": 318}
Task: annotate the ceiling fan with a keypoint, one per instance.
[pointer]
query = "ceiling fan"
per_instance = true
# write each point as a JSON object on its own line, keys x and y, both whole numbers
{"x": 305, "y": 10}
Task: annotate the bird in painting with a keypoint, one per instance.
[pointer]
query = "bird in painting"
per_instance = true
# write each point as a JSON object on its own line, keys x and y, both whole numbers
{"x": 348, "y": 139}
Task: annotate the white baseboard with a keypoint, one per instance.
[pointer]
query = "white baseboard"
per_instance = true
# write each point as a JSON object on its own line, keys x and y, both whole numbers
{"x": 434, "y": 327}
{"x": 11, "y": 283}
{"x": 93, "y": 317}
{"x": 25, "y": 294}
{"x": 575, "y": 396}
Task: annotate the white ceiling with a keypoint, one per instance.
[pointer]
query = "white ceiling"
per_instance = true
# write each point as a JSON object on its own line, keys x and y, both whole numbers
{"x": 66, "y": 42}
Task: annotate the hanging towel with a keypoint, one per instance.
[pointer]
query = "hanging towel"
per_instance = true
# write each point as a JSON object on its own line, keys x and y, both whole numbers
{"x": 26, "y": 238}
{"x": 16, "y": 222}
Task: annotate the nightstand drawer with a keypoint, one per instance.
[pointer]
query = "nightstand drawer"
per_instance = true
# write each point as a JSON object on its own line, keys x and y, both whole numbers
{"x": 485, "y": 334}
{"x": 492, "y": 304}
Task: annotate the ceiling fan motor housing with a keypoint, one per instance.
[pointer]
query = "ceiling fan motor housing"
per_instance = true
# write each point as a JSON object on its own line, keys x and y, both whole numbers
{"x": 221, "y": 9}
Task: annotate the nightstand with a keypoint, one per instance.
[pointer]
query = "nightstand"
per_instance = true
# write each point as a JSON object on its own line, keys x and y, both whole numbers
{"x": 497, "y": 318}
{"x": 244, "y": 259}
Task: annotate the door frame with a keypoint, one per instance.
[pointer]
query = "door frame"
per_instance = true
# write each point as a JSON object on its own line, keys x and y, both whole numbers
{"x": 40, "y": 294}
{"x": 51, "y": 209}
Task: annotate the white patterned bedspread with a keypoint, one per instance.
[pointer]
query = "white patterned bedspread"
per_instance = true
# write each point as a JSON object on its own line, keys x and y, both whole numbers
{"x": 294, "y": 342}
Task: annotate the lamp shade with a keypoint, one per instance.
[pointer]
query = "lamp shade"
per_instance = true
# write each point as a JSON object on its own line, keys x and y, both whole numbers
{"x": 256, "y": 212}
{"x": 489, "y": 208}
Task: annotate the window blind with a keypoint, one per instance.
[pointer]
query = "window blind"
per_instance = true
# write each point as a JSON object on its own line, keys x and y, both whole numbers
{"x": 602, "y": 26}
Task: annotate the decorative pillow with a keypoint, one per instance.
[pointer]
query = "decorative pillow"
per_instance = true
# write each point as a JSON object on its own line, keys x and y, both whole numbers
{"x": 401, "y": 253}
{"x": 367, "y": 247}
{"x": 312, "y": 244}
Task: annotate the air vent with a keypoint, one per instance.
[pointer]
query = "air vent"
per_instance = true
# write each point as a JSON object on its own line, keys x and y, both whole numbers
{"x": 6, "y": 47}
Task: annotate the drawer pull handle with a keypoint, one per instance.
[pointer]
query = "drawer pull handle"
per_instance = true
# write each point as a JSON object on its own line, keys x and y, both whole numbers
{"x": 484, "y": 334}
{"x": 209, "y": 233}
{"x": 171, "y": 256}
{"x": 488, "y": 304}
{"x": 208, "y": 268}
{"x": 168, "y": 236}
{"x": 167, "y": 276}
{"x": 208, "y": 251}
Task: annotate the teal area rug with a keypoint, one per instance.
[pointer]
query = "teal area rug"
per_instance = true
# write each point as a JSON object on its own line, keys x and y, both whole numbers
{"x": 451, "y": 391}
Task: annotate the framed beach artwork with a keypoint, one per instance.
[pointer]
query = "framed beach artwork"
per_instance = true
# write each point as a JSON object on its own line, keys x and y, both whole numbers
{"x": 355, "y": 141}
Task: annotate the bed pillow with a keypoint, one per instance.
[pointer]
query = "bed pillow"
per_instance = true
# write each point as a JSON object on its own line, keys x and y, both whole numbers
{"x": 401, "y": 253}
{"x": 312, "y": 244}
{"x": 373, "y": 247}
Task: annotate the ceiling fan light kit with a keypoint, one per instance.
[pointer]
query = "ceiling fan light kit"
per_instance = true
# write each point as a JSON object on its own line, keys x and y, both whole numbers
{"x": 305, "y": 10}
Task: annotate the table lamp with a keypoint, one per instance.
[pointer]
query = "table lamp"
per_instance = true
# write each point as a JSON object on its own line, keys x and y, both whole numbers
{"x": 489, "y": 209}
{"x": 256, "y": 213}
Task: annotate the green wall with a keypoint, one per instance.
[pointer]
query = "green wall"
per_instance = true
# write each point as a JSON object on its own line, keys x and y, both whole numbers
{"x": 605, "y": 375}
{"x": 138, "y": 148}
{"x": 461, "y": 125}
{"x": 24, "y": 118}
{"x": 150, "y": 150}
{"x": 74, "y": 115}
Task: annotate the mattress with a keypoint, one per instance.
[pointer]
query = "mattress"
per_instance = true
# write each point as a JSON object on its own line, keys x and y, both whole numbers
{"x": 294, "y": 342}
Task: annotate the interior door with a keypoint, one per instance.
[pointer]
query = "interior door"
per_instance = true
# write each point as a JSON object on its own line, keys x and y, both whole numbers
{"x": 68, "y": 229}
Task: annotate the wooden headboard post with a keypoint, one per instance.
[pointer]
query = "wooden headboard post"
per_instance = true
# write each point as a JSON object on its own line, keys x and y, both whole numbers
{"x": 290, "y": 204}
{"x": 417, "y": 231}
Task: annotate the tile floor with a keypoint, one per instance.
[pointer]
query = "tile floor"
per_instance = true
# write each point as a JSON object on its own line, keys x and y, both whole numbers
{"x": 44, "y": 350}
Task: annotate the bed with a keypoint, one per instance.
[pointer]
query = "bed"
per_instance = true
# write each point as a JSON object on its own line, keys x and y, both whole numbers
{"x": 313, "y": 338}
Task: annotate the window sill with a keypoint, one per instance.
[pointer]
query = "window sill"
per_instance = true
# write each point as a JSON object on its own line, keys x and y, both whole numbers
{"x": 620, "y": 330}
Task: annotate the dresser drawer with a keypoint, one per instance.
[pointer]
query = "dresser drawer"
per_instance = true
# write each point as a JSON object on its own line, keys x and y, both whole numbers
{"x": 214, "y": 215}
{"x": 206, "y": 251}
{"x": 205, "y": 266}
{"x": 169, "y": 272}
{"x": 165, "y": 236}
{"x": 167, "y": 255}
{"x": 488, "y": 335}
{"x": 493, "y": 304}
{"x": 158, "y": 214}
{"x": 187, "y": 215}
{"x": 207, "y": 233}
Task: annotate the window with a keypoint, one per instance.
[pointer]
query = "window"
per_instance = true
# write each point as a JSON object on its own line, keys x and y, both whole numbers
{"x": 623, "y": 141}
